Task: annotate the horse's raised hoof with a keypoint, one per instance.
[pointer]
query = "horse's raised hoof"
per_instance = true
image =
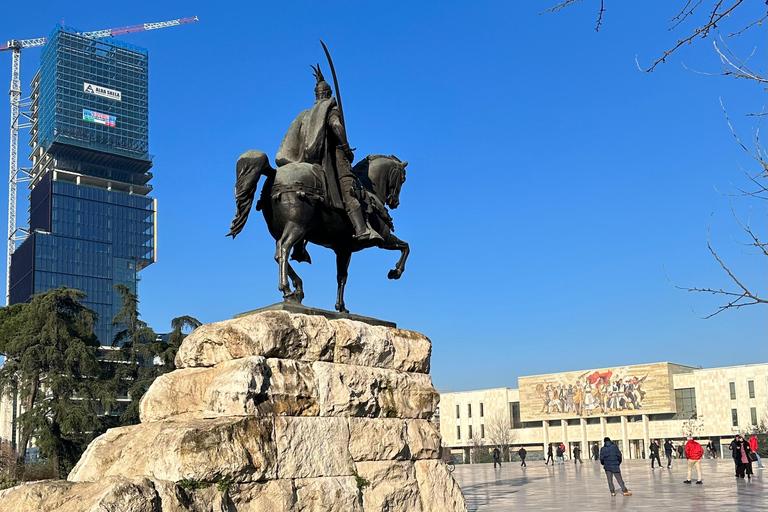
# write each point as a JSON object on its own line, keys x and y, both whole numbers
{"x": 395, "y": 274}
{"x": 341, "y": 309}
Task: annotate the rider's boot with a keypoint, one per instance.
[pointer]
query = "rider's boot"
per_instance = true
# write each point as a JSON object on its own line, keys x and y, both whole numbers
{"x": 363, "y": 230}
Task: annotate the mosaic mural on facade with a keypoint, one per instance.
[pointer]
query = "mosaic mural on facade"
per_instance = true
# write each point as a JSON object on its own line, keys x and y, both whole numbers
{"x": 597, "y": 392}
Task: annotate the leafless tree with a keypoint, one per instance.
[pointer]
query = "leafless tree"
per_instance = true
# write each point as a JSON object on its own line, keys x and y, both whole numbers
{"x": 693, "y": 427}
{"x": 708, "y": 17}
{"x": 498, "y": 431}
{"x": 477, "y": 449}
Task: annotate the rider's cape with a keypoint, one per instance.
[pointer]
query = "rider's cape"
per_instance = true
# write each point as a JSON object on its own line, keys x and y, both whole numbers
{"x": 307, "y": 141}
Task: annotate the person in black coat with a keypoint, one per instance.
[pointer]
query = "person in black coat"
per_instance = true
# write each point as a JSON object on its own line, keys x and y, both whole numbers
{"x": 496, "y": 457}
{"x": 668, "y": 449}
{"x": 595, "y": 452}
{"x": 655, "y": 452}
{"x": 742, "y": 457}
{"x": 522, "y": 453}
{"x": 549, "y": 456}
{"x": 577, "y": 454}
{"x": 610, "y": 458}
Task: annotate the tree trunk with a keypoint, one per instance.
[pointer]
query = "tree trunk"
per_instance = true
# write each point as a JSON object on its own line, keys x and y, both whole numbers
{"x": 25, "y": 433}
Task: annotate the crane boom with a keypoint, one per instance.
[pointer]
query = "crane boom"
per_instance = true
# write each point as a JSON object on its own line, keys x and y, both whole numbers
{"x": 18, "y": 44}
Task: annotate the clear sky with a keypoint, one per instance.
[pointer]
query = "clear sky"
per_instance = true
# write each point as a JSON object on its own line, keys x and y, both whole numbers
{"x": 550, "y": 181}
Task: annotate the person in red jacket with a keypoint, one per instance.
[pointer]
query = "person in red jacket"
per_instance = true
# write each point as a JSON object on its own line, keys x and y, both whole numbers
{"x": 753, "y": 447}
{"x": 693, "y": 452}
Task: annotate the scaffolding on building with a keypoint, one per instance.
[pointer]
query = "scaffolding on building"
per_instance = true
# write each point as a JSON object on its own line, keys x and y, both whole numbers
{"x": 130, "y": 146}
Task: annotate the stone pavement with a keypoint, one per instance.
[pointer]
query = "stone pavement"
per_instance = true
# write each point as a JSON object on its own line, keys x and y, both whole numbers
{"x": 584, "y": 487}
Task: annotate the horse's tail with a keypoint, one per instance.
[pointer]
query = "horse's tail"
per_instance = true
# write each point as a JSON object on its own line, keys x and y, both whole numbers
{"x": 250, "y": 167}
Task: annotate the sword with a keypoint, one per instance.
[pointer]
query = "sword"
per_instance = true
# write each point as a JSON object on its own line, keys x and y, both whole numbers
{"x": 335, "y": 83}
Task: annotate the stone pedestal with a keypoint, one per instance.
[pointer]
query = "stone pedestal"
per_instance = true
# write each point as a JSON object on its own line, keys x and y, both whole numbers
{"x": 273, "y": 411}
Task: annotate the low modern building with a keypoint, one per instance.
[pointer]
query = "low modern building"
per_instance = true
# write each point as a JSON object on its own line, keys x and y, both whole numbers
{"x": 630, "y": 404}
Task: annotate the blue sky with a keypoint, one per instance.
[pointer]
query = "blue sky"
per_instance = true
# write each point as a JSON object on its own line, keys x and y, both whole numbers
{"x": 550, "y": 182}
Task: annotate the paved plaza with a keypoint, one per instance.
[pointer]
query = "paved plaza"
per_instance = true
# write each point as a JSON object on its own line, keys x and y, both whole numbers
{"x": 583, "y": 487}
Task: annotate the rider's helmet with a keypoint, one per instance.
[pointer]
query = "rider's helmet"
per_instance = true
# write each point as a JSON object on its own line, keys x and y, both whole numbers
{"x": 322, "y": 89}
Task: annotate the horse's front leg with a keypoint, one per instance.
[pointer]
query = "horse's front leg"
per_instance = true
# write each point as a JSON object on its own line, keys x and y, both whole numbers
{"x": 392, "y": 243}
{"x": 343, "y": 258}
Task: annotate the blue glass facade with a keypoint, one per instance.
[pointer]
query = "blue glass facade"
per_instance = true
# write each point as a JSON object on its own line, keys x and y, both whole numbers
{"x": 91, "y": 221}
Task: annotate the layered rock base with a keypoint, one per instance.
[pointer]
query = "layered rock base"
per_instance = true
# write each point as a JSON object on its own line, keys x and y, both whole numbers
{"x": 274, "y": 411}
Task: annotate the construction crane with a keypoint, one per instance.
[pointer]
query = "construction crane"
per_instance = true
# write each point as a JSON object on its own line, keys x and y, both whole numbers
{"x": 16, "y": 174}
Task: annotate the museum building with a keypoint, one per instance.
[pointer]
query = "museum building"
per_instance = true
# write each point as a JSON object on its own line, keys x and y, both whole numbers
{"x": 630, "y": 404}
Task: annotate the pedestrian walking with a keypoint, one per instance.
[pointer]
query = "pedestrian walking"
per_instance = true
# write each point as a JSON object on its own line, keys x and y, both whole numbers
{"x": 522, "y": 453}
{"x": 560, "y": 455}
{"x": 680, "y": 451}
{"x": 549, "y": 456}
{"x": 496, "y": 457}
{"x": 595, "y": 452}
{"x": 753, "y": 447}
{"x": 610, "y": 458}
{"x": 577, "y": 454}
{"x": 711, "y": 450}
{"x": 655, "y": 452}
{"x": 742, "y": 457}
{"x": 693, "y": 452}
{"x": 668, "y": 448}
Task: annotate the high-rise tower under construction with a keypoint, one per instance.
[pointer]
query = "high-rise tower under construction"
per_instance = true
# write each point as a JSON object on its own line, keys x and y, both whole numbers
{"x": 91, "y": 220}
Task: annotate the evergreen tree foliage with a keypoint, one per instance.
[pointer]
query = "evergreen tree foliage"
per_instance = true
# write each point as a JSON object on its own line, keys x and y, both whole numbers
{"x": 50, "y": 352}
{"x": 141, "y": 357}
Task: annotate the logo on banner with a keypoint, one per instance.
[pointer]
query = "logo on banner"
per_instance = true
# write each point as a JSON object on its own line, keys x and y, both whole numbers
{"x": 99, "y": 118}
{"x": 102, "y": 91}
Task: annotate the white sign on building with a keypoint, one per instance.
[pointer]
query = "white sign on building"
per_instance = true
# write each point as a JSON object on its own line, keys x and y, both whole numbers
{"x": 102, "y": 91}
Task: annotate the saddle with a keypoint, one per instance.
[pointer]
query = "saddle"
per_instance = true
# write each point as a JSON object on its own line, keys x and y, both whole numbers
{"x": 318, "y": 191}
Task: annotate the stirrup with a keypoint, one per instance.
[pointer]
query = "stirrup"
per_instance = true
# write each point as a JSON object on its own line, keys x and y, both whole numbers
{"x": 368, "y": 234}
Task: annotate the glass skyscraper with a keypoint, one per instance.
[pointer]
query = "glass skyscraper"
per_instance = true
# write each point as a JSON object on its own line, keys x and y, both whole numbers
{"x": 91, "y": 219}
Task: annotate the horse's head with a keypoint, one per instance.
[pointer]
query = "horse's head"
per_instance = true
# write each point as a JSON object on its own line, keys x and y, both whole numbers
{"x": 387, "y": 175}
{"x": 395, "y": 182}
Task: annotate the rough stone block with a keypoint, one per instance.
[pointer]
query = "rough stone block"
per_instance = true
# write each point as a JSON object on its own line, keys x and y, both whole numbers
{"x": 312, "y": 447}
{"x": 377, "y": 439}
{"x": 241, "y": 449}
{"x": 251, "y": 386}
{"x": 361, "y": 391}
{"x": 269, "y": 334}
{"x": 437, "y": 488}
{"x": 392, "y": 487}
{"x": 274, "y": 495}
{"x": 413, "y": 351}
{"x": 362, "y": 344}
{"x": 291, "y": 389}
{"x": 334, "y": 494}
{"x": 423, "y": 439}
{"x": 113, "y": 494}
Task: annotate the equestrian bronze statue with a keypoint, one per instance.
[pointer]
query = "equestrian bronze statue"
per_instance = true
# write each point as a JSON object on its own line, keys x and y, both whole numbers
{"x": 316, "y": 196}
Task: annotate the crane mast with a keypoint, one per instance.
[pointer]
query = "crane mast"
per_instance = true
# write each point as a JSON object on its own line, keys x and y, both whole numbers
{"x": 18, "y": 175}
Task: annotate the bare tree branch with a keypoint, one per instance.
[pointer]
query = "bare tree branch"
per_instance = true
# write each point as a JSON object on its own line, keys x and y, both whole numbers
{"x": 714, "y": 18}
{"x": 568, "y": 3}
{"x": 756, "y": 22}
{"x": 684, "y": 13}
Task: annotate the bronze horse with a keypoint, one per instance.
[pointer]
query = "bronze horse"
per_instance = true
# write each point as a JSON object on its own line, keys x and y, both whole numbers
{"x": 292, "y": 201}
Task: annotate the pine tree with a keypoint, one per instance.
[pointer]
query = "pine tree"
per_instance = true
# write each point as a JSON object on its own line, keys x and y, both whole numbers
{"x": 142, "y": 356}
{"x": 50, "y": 352}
